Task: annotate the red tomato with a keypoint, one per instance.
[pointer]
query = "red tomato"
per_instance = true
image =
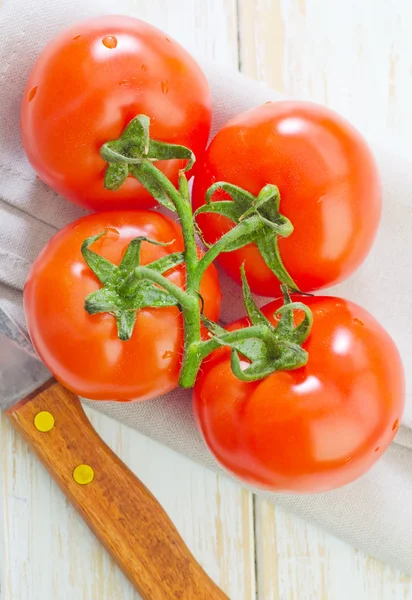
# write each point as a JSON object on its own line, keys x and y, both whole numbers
{"x": 329, "y": 188}
{"x": 86, "y": 86}
{"x": 318, "y": 427}
{"x": 83, "y": 351}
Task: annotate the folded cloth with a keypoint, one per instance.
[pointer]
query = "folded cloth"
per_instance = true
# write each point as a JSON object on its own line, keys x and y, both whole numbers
{"x": 375, "y": 512}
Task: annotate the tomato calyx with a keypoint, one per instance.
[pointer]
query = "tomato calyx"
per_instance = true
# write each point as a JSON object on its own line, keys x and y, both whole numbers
{"x": 133, "y": 151}
{"x": 267, "y": 348}
{"x": 122, "y": 293}
{"x": 257, "y": 220}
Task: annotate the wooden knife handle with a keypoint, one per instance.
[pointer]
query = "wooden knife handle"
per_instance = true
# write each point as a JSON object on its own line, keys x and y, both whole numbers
{"x": 118, "y": 508}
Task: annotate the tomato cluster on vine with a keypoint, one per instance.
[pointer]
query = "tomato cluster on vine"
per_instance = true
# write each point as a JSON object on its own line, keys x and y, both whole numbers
{"x": 303, "y": 395}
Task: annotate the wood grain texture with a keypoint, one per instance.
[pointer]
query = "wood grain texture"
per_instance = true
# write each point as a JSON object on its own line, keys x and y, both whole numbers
{"x": 355, "y": 57}
{"x": 299, "y": 561}
{"x": 117, "y": 507}
{"x": 49, "y": 554}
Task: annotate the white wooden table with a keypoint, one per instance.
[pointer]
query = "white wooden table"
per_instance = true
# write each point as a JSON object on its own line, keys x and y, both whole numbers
{"x": 355, "y": 56}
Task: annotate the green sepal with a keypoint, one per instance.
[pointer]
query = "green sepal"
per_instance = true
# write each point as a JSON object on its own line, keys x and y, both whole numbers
{"x": 144, "y": 174}
{"x": 298, "y": 334}
{"x": 240, "y": 197}
{"x": 266, "y": 353}
{"x": 125, "y": 321}
{"x": 281, "y": 227}
{"x": 285, "y": 325}
{"x": 132, "y": 146}
{"x": 133, "y": 149}
{"x": 268, "y": 247}
{"x": 268, "y": 202}
{"x": 250, "y": 348}
{"x": 122, "y": 293}
{"x": 292, "y": 356}
{"x": 268, "y": 348}
{"x": 163, "y": 151}
{"x": 184, "y": 187}
{"x": 242, "y": 234}
{"x": 268, "y": 223}
{"x": 115, "y": 176}
{"x": 167, "y": 262}
{"x": 255, "y": 314}
{"x": 102, "y": 268}
{"x": 102, "y": 300}
{"x": 224, "y": 208}
{"x": 131, "y": 257}
{"x": 285, "y": 330}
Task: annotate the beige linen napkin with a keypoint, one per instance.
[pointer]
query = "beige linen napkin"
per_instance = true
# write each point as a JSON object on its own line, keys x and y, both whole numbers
{"x": 374, "y": 513}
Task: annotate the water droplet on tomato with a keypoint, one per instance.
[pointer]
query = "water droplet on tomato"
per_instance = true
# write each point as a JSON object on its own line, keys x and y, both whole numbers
{"x": 358, "y": 322}
{"x": 144, "y": 67}
{"x": 76, "y": 37}
{"x": 32, "y": 93}
{"x": 377, "y": 449}
{"x": 338, "y": 304}
{"x": 165, "y": 86}
{"x": 168, "y": 354}
{"x": 124, "y": 82}
{"x": 319, "y": 312}
{"x": 395, "y": 425}
{"x": 110, "y": 41}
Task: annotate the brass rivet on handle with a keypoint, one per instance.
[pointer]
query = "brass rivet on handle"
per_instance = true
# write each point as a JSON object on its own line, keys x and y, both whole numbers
{"x": 83, "y": 474}
{"x": 44, "y": 421}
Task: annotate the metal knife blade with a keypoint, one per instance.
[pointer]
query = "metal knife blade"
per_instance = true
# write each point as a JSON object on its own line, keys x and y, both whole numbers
{"x": 21, "y": 371}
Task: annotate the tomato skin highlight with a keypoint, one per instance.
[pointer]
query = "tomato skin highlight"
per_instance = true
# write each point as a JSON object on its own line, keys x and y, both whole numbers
{"x": 318, "y": 427}
{"x": 329, "y": 185}
{"x": 86, "y": 86}
{"x": 83, "y": 351}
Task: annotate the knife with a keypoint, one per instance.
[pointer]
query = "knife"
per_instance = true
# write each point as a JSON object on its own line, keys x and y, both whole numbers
{"x": 118, "y": 508}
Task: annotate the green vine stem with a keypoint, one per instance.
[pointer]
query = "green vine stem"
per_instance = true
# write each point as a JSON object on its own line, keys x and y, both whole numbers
{"x": 130, "y": 286}
{"x": 257, "y": 218}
